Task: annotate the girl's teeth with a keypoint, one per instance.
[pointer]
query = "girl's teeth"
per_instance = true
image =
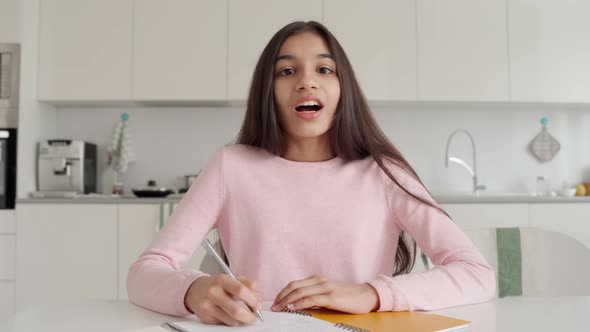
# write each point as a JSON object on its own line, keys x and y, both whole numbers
{"x": 309, "y": 103}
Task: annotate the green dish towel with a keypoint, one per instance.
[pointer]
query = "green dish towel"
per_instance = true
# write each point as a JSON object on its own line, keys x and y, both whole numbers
{"x": 509, "y": 262}
{"x": 165, "y": 214}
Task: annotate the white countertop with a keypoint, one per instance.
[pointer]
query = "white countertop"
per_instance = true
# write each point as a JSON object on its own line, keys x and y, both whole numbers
{"x": 488, "y": 198}
{"x": 539, "y": 314}
{"x": 509, "y": 198}
{"x": 100, "y": 200}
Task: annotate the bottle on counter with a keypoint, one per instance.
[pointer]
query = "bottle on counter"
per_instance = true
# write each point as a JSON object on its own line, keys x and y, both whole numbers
{"x": 109, "y": 178}
{"x": 543, "y": 188}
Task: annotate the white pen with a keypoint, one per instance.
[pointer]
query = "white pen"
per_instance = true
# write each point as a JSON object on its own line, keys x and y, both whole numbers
{"x": 209, "y": 247}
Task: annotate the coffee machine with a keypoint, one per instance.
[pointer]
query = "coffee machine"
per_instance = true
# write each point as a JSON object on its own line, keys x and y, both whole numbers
{"x": 66, "y": 167}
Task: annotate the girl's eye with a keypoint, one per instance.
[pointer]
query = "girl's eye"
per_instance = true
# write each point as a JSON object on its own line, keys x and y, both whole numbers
{"x": 326, "y": 70}
{"x": 286, "y": 72}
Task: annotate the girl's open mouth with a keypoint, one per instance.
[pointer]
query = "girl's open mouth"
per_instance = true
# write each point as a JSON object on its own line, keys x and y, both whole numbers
{"x": 309, "y": 109}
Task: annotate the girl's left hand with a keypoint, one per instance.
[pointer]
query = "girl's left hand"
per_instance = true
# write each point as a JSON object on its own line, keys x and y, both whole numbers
{"x": 317, "y": 291}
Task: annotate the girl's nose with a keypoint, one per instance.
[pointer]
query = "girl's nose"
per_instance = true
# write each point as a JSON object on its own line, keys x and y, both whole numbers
{"x": 307, "y": 81}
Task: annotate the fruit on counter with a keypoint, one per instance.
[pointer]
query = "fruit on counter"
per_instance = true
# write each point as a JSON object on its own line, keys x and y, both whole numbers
{"x": 581, "y": 190}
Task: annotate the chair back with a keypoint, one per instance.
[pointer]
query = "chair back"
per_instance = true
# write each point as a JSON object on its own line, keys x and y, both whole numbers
{"x": 531, "y": 261}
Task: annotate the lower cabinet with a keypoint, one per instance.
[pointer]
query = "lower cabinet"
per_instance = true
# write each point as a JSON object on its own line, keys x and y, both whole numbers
{"x": 7, "y": 261}
{"x": 85, "y": 250}
{"x": 65, "y": 251}
{"x": 7, "y": 274}
{"x": 80, "y": 251}
{"x": 567, "y": 218}
{"x": 572, "y": 219}
{"x": 7, "y": 222}
{"x": 470, "y": 216}
{"x": 7, "y": 257}
{"x": 7, "y": 295}
{"x": 138, "y": 227}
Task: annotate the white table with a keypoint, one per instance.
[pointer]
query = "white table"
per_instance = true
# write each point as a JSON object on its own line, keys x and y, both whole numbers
{"x": 509, "y": 314}
{"x": 539, "y": 314}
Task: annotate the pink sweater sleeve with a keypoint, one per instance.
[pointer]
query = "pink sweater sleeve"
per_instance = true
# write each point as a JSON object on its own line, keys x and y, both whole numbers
{"x": 156, "y": 280}
{"x": 460, "y": 276}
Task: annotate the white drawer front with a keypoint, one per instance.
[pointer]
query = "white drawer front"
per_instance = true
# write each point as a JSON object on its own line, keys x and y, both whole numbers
{"x": 7, "y": 257}
{"x": 7, "y": 221}
{"x": 7, "y": 295}
{"x": 475, "y": 216}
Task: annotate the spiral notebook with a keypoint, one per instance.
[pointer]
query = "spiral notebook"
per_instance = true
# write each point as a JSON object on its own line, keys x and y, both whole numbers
{"x": 323, "y": 320}
{"x": 410, "y": 321}
{"x": 273, "y": 322}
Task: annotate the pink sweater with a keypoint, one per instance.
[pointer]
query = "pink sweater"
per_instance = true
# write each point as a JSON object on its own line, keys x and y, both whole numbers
{"x": 281, "y": 220}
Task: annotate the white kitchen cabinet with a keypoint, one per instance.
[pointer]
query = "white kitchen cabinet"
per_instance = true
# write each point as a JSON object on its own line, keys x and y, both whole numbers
{"x": 462, "y": 50}
{"x": 7, "y": 261}
{"x": 571, "y": 219}
{"x": 7, "y": 257}
{"x": 137, "y": 227}
{"x": 7, "y": 221}
{"x": 180, "y": 50}
{"x": 66, "y": 251}
{"x": 473, "y": 216}
{"x": 383, "y": 51}
{"x": 549, "y": 50}
{"x": 251, "y": 25}
{"x": 567, "y": 218}
{"x": 7, "y": 294}
{"x": 85, "y": 50}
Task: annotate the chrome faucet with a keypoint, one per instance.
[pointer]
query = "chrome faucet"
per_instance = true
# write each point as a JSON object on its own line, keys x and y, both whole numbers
{"x": 472, "y": 171}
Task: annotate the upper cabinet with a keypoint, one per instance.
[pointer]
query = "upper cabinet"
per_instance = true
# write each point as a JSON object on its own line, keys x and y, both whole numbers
{"x": 85, "y": 50}
{"x": 180, "y": 50}
{"x": 549, "y": 50}
{"x": 383, "y": 52}
{"x": 251, "y": 25}
{"x": 206, "y": 50}
{"x": 462, "y": 50}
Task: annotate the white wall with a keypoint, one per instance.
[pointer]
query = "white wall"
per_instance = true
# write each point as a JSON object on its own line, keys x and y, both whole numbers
{"x": 167, "y": 142}
{"x": 36, "y": 121}
{"x": 502, "y": 136}
{"x": 170, "y": 142}
{"x": 9, "y": 21}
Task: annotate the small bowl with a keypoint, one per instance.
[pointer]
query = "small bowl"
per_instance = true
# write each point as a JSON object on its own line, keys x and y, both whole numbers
{"x": 152, "y": 193}
{"x": 567, "y": 192}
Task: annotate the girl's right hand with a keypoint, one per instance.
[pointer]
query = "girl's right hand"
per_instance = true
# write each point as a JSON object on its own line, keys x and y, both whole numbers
{"x": 214, "y": 300}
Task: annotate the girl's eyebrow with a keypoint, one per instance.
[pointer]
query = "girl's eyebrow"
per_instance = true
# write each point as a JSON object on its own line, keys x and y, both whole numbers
{"x": 292, "y": 57}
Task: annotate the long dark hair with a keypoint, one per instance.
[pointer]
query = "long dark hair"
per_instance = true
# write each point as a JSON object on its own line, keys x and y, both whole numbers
{"x": 354, "y": 134}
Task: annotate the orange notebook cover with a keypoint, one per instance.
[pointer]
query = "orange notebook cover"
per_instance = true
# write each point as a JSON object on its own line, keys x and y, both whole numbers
{"x": 390, "y": 321}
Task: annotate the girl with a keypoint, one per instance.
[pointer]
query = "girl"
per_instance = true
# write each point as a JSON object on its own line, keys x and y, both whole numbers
{"x": 312, "y": 203}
